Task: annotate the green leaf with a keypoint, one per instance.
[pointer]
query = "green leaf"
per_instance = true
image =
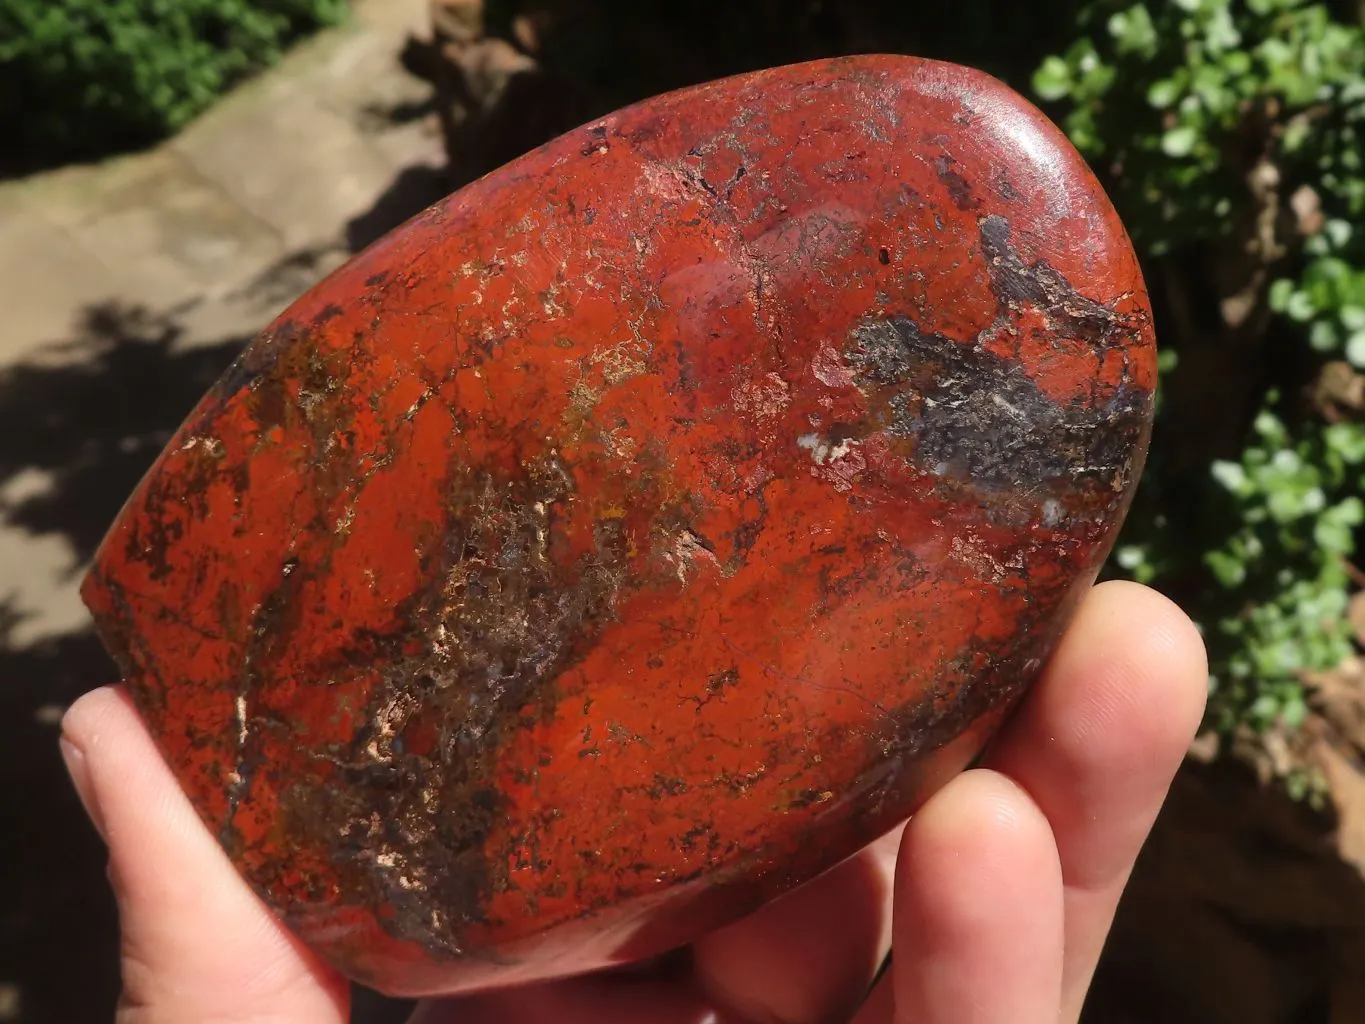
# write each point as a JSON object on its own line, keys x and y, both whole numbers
{"x": 1351, "y": 511}
{"x": 1332, "y": 537}
{"x": 1226, "y": 569}
{"x": 1347, "y": 440}
{"x": 1118, "y": 26}
{"x": 1355, "y": 349}
{"x": 1323, "y": 337}
{"x": 1285, "y": 505}
{"x": 1220, "y": 33}
{"x": 1052, "y": 80}
{"x": 1296, "y": 133}
{"x": 1163, "y": 93}
{"x": 1352, "y": 317}
{"x": 1133, "y": 31}
{"x": 1130, "y": 556}
{"x": 1293, "y": 711}
{"x": 1265, "y": 709}
{"x": 1281, "y": 289}
{"x": 1230, "y": 475}
{"x": 1269, "y": 427}
{"x": 1300, "y": 307}
{"x": 1338, "y": 231}
{"x": 1179, "y": 141}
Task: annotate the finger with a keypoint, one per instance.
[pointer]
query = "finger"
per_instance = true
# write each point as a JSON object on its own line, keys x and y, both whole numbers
{"x": 197, "y": 943}
{"x": 880, "y": 1005}
{"x": 978, "y": 917}
{"x": 1096, "y": 744}
{"x": 810, "y": 955}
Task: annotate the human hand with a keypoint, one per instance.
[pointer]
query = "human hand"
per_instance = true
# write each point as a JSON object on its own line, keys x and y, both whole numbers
{"x": 997, "y": 896}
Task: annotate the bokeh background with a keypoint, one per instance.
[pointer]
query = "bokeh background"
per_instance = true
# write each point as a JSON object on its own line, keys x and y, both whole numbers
{"x": 174, "y": 174}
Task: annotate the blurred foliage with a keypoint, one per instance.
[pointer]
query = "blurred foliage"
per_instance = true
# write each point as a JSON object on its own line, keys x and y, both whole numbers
{"x": 1230, "y": 136}
{"x": 83, "y": 78}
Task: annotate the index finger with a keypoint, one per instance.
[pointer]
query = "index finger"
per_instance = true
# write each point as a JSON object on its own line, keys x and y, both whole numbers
{"x": 1096, "y": 744}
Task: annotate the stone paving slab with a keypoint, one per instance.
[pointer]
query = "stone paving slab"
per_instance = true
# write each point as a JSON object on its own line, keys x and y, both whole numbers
{"x": 180, "y": 229}
{"x": 224, "y": 225}
{"x": 45, "y": 274}
{"x": 306, "y": 171}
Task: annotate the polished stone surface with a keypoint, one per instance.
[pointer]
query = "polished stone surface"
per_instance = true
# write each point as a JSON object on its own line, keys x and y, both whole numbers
{"x": 646, "y": 527}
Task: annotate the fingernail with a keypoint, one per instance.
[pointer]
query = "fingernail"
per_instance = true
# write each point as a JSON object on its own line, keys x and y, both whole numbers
{"x": 79, "y": 770}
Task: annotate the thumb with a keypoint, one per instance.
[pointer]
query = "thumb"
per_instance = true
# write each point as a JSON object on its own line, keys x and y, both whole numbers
{"x": 197, "y": 944}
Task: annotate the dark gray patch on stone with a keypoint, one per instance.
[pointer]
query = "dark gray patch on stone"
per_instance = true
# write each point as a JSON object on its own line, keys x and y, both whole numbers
{"x": 257, "y": 359}
{"x": 968, "y": 414}
{"x": 1016, "y": 283}
{"x": 1005, "y": 189}
{"x": 977, "y": 416}
{"x": 501, "y": 618}
{"x": 959, "y": 189}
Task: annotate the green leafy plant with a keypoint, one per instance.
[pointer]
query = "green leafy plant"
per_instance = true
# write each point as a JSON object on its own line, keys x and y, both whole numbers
{"x": 82, "y": 78}
{"x": 1230, "y": 134}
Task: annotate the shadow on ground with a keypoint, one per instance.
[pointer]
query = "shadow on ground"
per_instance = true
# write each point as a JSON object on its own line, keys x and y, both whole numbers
{"x": 90, "y": 417}
{"x": 57, "y": 923}
{"x": 409, "y": 194}
{"x": 80, "y": 422}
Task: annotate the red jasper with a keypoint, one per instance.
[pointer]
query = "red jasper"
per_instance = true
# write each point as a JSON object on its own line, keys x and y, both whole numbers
{"x": 644, "y": 528}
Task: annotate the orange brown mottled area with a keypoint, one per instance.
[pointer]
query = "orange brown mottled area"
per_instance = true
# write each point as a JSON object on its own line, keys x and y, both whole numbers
{"x": 645, "y": 527}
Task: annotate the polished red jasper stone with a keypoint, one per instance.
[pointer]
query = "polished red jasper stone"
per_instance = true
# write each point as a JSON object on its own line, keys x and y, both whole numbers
{"x": 644, "y": 528}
